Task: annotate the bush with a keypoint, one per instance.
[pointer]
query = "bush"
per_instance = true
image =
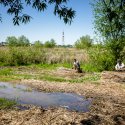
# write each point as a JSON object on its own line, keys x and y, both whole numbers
{"x": 101, "y": 59}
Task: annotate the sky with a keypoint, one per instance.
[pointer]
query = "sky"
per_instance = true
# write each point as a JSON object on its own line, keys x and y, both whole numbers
{"x": 45, "y": 25}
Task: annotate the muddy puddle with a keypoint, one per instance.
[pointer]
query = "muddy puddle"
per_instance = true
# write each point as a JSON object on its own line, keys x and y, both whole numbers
{"x": 25, "y": 95}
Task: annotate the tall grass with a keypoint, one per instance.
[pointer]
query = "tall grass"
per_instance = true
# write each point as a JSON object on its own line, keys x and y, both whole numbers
{"x": 92, "y": 59}
{"x": 35, "y": 55}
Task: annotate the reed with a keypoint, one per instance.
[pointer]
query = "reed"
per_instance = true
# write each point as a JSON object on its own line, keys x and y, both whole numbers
{"x": 34, "y": 55}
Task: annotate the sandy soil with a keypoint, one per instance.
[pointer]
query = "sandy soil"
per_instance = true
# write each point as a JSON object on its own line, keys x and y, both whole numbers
{"x": 108, "y": 105}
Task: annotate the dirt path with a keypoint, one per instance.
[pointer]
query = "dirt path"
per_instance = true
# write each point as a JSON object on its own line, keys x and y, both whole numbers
{"x": 108, "y": 106}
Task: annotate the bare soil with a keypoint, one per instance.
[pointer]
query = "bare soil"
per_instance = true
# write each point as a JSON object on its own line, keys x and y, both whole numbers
{"x": 108, "y": 105}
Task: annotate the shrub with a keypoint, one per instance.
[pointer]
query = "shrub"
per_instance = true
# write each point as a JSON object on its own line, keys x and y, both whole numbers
{"x": 101, "y": 59}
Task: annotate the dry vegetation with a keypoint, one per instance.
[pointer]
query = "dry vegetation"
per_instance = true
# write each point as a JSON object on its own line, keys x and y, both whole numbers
{"x": 108, "y": 105}
{"x": 35, "y": 55}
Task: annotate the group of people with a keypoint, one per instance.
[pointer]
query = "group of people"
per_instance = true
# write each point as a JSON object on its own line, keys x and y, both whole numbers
{"x": 119, "y": 66}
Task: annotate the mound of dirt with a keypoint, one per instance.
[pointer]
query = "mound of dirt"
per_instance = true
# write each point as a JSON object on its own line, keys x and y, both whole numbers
{"x": 116, "y": 76}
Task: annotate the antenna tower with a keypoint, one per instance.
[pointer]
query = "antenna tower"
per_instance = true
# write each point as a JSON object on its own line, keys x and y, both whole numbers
{"x": 63, "y": 38}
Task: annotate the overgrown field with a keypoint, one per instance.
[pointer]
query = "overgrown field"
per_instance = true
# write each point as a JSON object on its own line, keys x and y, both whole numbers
{"x": 51, "y": 70}
{"x": 92, "y": 59}
{"x": 35, "y": 55}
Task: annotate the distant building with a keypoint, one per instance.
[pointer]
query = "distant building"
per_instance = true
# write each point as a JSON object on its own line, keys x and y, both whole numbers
{"x": 32, "y": 44}
{"x": 3, "y": 43}
{"x": 66, "y": 46}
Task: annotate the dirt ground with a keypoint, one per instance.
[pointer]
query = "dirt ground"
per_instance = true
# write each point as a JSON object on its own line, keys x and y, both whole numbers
{"x": 108, "y": 105}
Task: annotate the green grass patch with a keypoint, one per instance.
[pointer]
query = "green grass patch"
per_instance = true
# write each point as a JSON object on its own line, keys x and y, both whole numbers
{"x": 89, "y": 68}
{"x": 92, "y": 78}
{"x": 43, "y": 72}
{"x": 85, "y": 79}
{"x": 44, "y": 66}
{"x": 24, "y": 76}
{"x": 6, "y": 104}
{"x": 50, "y": 66}
{"x": 67, "y": 65}
{"x": 6, "y": 71}
{"x": 52, "y": 78}
{"x": 9, "y": 78}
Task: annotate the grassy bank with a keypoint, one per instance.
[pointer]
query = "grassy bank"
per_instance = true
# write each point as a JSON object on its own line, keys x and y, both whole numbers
{"x": 6, "y": 104}
{"x": 56, "y": 73}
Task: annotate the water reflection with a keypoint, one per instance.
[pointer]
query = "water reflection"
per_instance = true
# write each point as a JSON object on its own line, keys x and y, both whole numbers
{"x": 25, "y": 95}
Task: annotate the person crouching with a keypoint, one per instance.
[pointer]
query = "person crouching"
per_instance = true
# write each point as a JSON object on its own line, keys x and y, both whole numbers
{"x": 76, "y": 66}
{"x": 119, "y": 66}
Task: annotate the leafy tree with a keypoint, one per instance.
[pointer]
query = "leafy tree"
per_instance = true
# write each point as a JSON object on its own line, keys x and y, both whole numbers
{"x": 52, "y": 41}
{"x": 38, "y": 43}
{"x": 23, "y": 41}
{"x": 50, "y": 44}
{"x": 110, "y": 23}
{"x": 12, "y": 41}
{"x": 83, "y": 42}
{"x": 16, "y": 8}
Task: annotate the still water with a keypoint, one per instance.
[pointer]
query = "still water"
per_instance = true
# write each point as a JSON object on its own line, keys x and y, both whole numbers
{"x": 25, "y": 95}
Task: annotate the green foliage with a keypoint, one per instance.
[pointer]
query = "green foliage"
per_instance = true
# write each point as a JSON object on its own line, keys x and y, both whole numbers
{"x": 38, "y": 44}
{"x": 21, "y": 41}
{"x": 27, "y": 55}
{"x": 6, "y": 104}
{"x": 83, "y": 42}
{"x": 88, "y": 67}
{"x": 109, "y": 18}
{"x": 122, "y": 54}
{"x": 96, "y": 58}
{"x": 12, "y": 41}
{"x": 116, "y": 47}
{"x": 101, "y": 59}
{"x": 16, "y": 8}
{"x": 22, "y": 56}
{"x": 110, "y": 24}
{"x": 50, "y": 44}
